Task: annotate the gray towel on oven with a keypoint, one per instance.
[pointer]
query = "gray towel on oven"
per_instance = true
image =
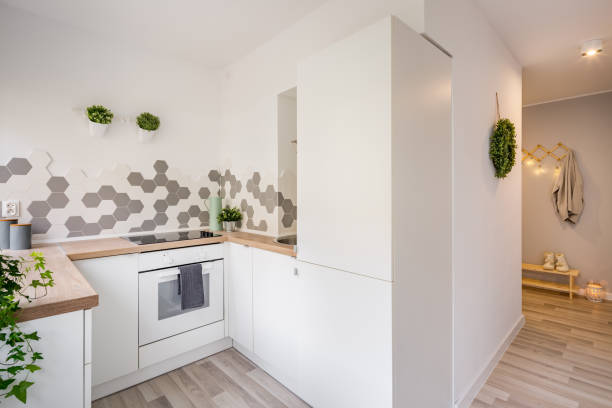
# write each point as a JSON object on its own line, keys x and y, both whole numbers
{"x": 191, "y": 286}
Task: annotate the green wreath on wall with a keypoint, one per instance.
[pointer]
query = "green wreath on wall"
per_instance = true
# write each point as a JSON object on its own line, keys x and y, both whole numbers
{"x": 502, "y": 149}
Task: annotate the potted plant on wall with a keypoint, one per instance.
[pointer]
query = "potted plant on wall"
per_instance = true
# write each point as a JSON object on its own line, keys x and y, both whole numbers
{"x": 147, "y": 126}
{"x": 229, "y": 217}
{"x": 99, "y": 119}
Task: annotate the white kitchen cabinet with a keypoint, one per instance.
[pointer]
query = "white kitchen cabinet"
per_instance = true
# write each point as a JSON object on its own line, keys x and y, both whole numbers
{"x": 61, "y": 380}
{"x": 375, "y": 200}
{"x": 275, "y": 315}
{"x": 115, "y": 319}
{"x": 239, "y": 267}
{"x": 344, "y": 339}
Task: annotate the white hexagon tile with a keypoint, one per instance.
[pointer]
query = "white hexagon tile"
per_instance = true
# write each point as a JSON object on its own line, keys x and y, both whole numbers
{"x": 119, "y": 199}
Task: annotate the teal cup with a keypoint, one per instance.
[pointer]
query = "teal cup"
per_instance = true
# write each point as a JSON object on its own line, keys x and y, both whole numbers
{"x": 214, "y": 208}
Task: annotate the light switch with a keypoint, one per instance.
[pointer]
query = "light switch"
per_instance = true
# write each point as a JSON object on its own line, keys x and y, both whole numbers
{"x": 10, "y": 208}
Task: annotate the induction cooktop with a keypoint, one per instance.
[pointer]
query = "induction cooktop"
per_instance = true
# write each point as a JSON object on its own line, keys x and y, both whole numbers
{"x": 170, "y": 237}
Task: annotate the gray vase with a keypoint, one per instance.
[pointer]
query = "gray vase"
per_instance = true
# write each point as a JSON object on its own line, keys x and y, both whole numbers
{"x": 21, "y": 236}
{"x": 5, "y": 233}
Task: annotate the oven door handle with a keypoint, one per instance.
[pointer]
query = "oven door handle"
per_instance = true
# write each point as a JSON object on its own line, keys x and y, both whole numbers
{"x": 173, "y": 274}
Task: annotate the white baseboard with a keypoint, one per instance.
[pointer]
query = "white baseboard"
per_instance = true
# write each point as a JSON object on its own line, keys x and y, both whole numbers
{"x": 466, "y": 400}
{"x": 158, "y": 369}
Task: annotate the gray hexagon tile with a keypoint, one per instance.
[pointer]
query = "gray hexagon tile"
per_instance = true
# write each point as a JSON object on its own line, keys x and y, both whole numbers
{"x": 58, "y": 200}
{"x": 19, "y": 166}
{"x": 193, "y": 211}
{"x": 172, "y": 199}
{"x": 148, "y": 225}
{"x": 39, "y": 208}
{"x": 92, "y": 229}
{"x": 183, "y": 218}
{"x": 160, "y": 166}
{"x": 204, "y": 218}
{"x": 135, "y": 206}
{"x": 204, "y": 193}
{"x": 107, "y": 192}
{"x": 160, "y": 218}
{"x": 172, "y": 186}
{"x": 287, "y": 220}
{"x": 135, "y": 179}
{"x": 148, "y": 186}
{"x": 91, "y": 200}
{"x": 57, "y": 184}
{"x": 5, "y": 174}
{"x": 107, "y": 221}
{"x": 40, "y": 225}
{"x": 160, "y": 206}
{"x": 75, "y": 223}
{"x": 160, "y": 179}
{"x": 214, "y": 176}
{"x": 183, "y": 193}
{"x": 121, "y": 213}
{"x": 121, "y": 199}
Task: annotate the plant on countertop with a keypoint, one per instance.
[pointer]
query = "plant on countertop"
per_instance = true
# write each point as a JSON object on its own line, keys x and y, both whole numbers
{"x": 147, "y": 121}
{"x": 18, "y": 357}
{"x": 502, "y": 149}
{"x": 99, "y": 114}
{"x": 229, "y": 214}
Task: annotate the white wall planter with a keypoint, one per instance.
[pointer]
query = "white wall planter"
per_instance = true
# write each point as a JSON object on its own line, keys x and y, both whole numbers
{"x": 145, "y": 136}
{"x": 97, "y": 129}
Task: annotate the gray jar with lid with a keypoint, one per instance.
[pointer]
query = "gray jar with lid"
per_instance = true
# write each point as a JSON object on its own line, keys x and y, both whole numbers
{"x": 21, "y": 236}
{"x": 5, "y": 233}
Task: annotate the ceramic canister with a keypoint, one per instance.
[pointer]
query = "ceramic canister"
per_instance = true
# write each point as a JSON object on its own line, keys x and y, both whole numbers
{"x": 21, "y": 236}
{"x": 5, "y": 233}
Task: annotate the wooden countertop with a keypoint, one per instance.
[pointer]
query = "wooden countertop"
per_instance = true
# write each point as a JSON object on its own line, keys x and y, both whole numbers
{"x": 97, "y": 248}
{"x": 72, "y": 291}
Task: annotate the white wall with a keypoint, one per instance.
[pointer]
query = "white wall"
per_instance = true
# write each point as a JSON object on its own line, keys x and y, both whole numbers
{"x": 582, "y": 124}
{"x": 251, "y": 84}
{"x": 486, "y": 211}
{"x": 49, "y": 68}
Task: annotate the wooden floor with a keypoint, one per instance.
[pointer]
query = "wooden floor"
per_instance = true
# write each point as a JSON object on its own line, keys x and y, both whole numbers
{"x": 224, "y": 380}
{"x": 561, "y": 358}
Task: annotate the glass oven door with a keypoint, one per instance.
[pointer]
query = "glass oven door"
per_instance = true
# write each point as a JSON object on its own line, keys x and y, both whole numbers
{"x": 159, "y": 301}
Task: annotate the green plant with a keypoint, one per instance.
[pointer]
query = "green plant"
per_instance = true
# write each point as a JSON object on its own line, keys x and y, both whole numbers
{"x": 502, "y": 148}
{"x": 99, "y": 114}
{"x": 21, "y": 359}
{"x": 147, "y": 121}
{"x": 229, "y": 214}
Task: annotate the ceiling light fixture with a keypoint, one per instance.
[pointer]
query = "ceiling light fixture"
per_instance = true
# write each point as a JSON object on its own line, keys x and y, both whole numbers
{"x": 591, "y": 47}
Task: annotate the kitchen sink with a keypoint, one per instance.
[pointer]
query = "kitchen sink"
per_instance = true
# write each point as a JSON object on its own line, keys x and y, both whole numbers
{"x": 288, "y": 239}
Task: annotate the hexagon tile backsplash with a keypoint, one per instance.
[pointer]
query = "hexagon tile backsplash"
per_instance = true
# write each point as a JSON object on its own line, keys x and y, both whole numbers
{"x": 121, "y": 200}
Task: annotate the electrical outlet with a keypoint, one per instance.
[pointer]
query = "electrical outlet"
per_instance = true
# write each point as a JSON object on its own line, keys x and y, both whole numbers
{"x": 10, "y": 208}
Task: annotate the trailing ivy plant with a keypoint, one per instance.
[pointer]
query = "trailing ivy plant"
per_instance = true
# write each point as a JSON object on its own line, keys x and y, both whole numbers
{"x": 99, "y": 114}
{"x": 19, "y": 359}
{"x": 502, "y": 149}
{"x": 229, "y": 214}
{"x": 147, "y": 121}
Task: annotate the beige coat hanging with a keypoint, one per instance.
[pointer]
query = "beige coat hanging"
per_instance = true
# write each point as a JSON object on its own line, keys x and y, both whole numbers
{"x": 567, "y": 191}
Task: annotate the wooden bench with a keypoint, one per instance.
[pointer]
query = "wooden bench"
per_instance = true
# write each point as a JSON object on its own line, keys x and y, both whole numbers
{"x": 543, "y": 284}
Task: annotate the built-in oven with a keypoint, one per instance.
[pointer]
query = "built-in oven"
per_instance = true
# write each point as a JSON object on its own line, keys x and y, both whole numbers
{"x": 159, "y": 301}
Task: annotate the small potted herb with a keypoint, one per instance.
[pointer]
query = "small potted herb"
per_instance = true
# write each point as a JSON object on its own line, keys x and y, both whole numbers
{"x": 147, "y": 126}
{"x": 229, "y": 217}
{"x": 99, "y": 119}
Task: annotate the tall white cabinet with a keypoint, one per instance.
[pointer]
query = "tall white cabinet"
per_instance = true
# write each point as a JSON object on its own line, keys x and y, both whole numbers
{"x": 374, "y": 203}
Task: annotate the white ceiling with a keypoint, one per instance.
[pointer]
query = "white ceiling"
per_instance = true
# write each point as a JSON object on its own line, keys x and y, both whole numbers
{"x": 546, "y": 35}
{"x": 211, "y": 32}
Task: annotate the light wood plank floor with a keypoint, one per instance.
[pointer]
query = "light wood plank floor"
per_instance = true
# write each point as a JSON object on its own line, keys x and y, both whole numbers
{"x": 224, "y": 380}
{"x": 561, "y": 358}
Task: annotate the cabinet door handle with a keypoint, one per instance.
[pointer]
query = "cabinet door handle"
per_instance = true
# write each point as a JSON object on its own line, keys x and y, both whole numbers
{"x": 295, "y": 271}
